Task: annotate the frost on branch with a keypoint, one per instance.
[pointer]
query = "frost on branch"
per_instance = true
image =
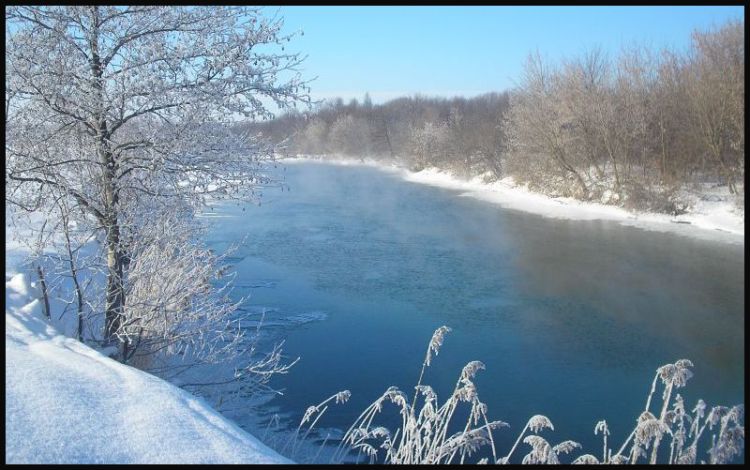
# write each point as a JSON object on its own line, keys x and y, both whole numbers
{"x": 423, "y": 436}
{"x": 128, "y": 114}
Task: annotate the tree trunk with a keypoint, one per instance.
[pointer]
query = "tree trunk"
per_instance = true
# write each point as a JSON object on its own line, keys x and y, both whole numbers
{"x": 664, "y": 170}
{"x": 558, "y": 155}
{"x": 388, "y": 138}
{"x": 727, "y": 172}
{"x": 115, "y": 291}
{"x": 45, "y": 295}
{"x": 581, "y": 183}
{"x": 74, "y": 275}
{"x": 115, "y": 296}
{"x": 617, "y": 174}
{"x": 115, "y": 304}
{"x": 493, "y": 160}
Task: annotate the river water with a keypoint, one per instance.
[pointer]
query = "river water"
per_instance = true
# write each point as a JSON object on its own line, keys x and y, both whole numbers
{"x": 355, "y": 268}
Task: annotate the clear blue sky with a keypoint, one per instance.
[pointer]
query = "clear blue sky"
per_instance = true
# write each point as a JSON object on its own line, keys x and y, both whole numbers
{"x": 394, "y": 51}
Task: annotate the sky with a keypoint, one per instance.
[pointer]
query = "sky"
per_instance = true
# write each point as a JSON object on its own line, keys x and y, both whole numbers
{"x": 450, "y": 51}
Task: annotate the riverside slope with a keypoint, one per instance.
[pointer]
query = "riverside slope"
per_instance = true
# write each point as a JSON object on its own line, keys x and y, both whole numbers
{"x": 712, "y": 215}
{"x": 67, "y": 403}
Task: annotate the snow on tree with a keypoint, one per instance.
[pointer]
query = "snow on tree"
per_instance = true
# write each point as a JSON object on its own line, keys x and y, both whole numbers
{"x": 127, "y": 113}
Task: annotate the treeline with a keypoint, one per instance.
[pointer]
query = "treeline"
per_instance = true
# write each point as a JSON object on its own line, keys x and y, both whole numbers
{"x": 459, "y": 134}
{"x": 630, "y": 130}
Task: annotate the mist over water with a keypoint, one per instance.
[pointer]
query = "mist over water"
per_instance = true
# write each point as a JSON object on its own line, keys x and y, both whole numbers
{"x": 356, "y": 268}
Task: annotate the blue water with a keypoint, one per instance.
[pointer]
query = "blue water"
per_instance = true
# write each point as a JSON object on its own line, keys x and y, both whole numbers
{"x": 356, "y": 269}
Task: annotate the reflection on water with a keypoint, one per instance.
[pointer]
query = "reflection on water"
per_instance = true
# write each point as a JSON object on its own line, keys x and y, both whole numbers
{"x": 571, "y": 317}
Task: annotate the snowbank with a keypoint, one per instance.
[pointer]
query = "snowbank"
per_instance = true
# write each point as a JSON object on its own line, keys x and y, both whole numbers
{"x": 713, "y": 217}
{"x": 67, "y": 403}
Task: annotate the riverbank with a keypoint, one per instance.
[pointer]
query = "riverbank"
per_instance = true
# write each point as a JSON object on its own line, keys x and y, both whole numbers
{"x": 68, "y": 403}
{"x": 712, "y": 214}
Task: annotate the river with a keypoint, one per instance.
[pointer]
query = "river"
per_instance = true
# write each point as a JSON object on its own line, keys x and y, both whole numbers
{"x": 356, "y": 268}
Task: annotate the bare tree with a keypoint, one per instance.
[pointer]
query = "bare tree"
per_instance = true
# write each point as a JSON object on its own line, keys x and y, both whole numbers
{"x": 136, "y": 102}
{"x": 634, "y": 129}
{"x": 382, "y": 133}
{"x": 538, "y": 126}
{"x": 582, "y": 83}
{"x": 716, "y": 82}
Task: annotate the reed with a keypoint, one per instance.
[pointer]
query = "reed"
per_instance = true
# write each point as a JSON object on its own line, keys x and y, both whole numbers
{"x": 423, "y": 437}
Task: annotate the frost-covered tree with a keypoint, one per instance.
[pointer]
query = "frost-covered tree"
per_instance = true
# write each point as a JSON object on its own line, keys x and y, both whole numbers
{"x": 313, "y": 137}
{"x": 109, "y": 105}
{"x": 430, "y": 144}
{"x": 350, "y": 135}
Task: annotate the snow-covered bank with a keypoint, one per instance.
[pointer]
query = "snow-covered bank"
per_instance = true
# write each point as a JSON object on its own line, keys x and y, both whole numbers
{"x": 712, "y": 216}
{"x": 67, "y": 403}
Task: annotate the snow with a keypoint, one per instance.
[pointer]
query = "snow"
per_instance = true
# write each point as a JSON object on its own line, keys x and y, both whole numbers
{"x": 713, "y": 216}
{"x": 68, "y": 403}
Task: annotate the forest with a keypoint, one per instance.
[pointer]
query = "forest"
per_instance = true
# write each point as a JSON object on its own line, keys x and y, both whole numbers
{"x": 630, "y": 129}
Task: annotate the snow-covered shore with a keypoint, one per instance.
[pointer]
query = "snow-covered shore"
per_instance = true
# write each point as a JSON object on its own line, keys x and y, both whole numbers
{"x": 712, "y": 216}
{"x": 68, "y": 403}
